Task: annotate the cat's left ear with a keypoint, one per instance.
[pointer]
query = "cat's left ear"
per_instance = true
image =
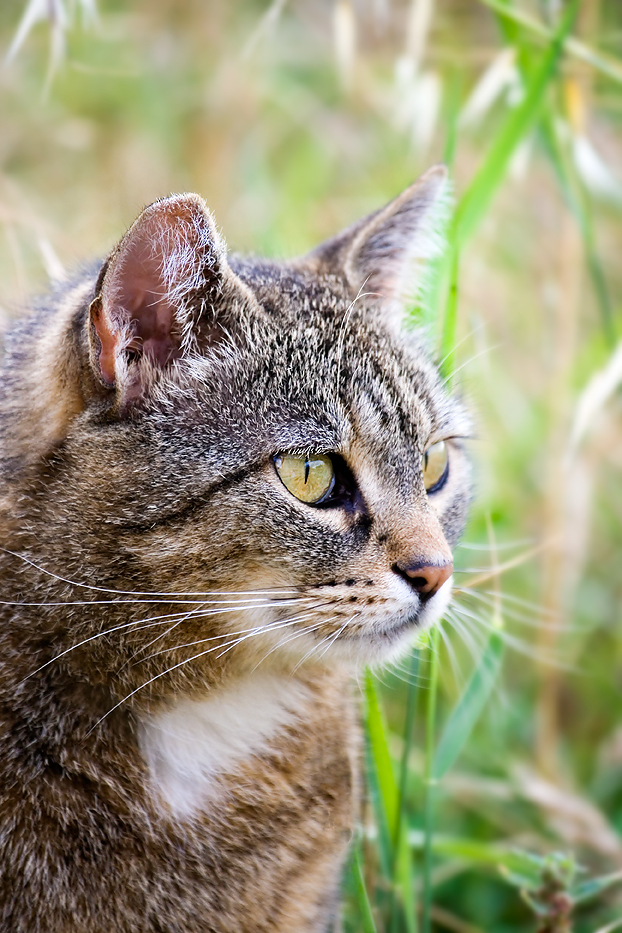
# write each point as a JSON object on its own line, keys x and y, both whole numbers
{"x": 381, "y": 256}
{"x": 158, "y": 294}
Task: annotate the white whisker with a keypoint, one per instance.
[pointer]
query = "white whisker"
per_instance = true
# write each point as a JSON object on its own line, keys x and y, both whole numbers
{"x": 342, "y": 331}
{"x": 281, "y": 591}
{"x": 140, "y": 624}
{"x": 472, "y": 640}
{"x": 451, "y": 653}
{"x": 306, "y": 630}
{"x": 449, "y": 378}
{"x": 257, "y": 630}
{"x": 504, "y": 546}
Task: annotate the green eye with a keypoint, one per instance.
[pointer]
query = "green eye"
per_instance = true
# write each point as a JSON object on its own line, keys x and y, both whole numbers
{"x": 435, "y": 463}
{"x": 310, "y": 479}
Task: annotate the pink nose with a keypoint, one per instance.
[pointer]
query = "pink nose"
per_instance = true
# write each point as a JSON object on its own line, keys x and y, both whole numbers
{"x": 427, "y": 579}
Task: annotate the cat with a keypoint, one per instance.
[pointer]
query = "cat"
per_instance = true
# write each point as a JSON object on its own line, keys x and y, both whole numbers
{"x": 227, "y": 484}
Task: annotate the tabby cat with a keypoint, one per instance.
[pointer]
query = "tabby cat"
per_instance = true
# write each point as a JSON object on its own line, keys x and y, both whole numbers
{"x": 227, "y": 483}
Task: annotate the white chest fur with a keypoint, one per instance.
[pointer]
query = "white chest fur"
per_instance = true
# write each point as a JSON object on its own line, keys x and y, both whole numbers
{"x": 191, "y": 745}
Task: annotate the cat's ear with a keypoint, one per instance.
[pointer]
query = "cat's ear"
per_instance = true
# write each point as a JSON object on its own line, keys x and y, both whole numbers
{"x": 157, "y": 293}
{"x": 381, "y": 256}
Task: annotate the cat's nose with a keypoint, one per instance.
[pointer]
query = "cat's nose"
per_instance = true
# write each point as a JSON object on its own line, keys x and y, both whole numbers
{"x": 426, "y": 579}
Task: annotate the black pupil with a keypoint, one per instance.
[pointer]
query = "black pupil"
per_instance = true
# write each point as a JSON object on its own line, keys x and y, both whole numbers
{"x": 306, "y": 471}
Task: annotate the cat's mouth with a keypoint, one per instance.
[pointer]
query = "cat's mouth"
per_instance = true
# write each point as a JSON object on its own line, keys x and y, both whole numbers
{"x": 390, "y": 634}
{"x": 367, "y": 627}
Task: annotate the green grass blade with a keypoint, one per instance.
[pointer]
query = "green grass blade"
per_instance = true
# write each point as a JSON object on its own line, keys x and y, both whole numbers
{"x": 377, "y": 733}
{"x": 404, "y": 873}
{"x": 474, "y": 203}
{"x": 399, "y": 856}
{"x": 580, "y": 205}
{"x": 430, "y": 784}
{"x": 606, "y": 64}
{"x": 469, "y": 708}
{"x": 430, "y": 314}
{"x": 595, "y": 886}
{"x": 573, "y": 190}
{"x": 367, "y": 917}
{"x": 383, "y": 842}
{"x": 512, "y": 860}
{"x": 450, "y": 322}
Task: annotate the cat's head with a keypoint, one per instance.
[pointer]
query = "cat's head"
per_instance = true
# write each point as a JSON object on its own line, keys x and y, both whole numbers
{"x": 265, "y": 436}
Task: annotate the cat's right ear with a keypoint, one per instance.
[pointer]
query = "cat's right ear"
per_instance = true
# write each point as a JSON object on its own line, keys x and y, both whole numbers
{"x": 157, "y": 295}
{"x": 380, "y": 257}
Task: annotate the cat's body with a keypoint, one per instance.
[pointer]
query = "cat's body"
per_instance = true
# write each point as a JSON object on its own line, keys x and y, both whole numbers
{"x": 179, "y": 744}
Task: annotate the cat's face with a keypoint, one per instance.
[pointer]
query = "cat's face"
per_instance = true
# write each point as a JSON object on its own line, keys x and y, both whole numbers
{"x": 262, "y": 436}
{"x": 345, "y": 405}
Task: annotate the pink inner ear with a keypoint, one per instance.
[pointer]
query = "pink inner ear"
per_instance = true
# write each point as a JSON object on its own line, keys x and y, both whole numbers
{"x": 154, "y": 288}
{"x": 142, "y": 293}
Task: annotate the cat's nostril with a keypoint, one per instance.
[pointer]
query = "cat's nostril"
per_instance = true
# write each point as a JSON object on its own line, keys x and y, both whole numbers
{"x": 426, "y": 579}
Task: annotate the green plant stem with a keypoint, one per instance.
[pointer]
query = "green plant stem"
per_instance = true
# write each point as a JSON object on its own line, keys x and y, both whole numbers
{"x": 367, "y": 917}
{"x": 450, "y": 321}
{"x": 474, "y": 203}
{"x": 430, "y": 783}
{"x": 606, "y": 64}
{"x": 579, "y": 203}
{"x": 401, "y": 842}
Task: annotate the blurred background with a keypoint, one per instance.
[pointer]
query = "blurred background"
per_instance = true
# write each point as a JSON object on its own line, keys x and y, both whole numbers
{"x": 494, "y": 790}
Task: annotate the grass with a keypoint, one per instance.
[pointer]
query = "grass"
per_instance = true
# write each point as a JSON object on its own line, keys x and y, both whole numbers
{"x": 494, "y": 752}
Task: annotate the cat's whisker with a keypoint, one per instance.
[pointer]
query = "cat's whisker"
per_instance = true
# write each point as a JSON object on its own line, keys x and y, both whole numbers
{"x": 494, "y": 602}
{"x": 472, "y": 639}
{"x": 199, "y": 594}
{"x": 282, "y": 642}
{"x": 451, "y": 653}
{"x": 342, "y": 331}
{"x": 451, "y": 376}
{"x": 483, "y": 575}
{"x": 201, "y": 613}
{"x": 336, "y": 635}
{"x": 474, "y": 570}
{"x": 157, "y": 677}
{"x": 309, "y": 653}
{"x": 140, "y": 624}
{"x": 533, "y": 620}
{"x": 402, "y": 669}
{"x": 503, "y": 546}
{"x": 143, "y": 623}
{"x": 260, "y": 600}
{"x": 331, "y": 639}
{"x": 268, "y": 628}
{"x": 224, "y": 638}
{"x": 403, "y": 665}
{"x": 460, "y": 343}
{"x": 313, "y": 648}
{"x": 520, "y": 645}
{"x": 171, "y": 628}
{"x": 244, "y": 633}
{"x": 538, "y": 611}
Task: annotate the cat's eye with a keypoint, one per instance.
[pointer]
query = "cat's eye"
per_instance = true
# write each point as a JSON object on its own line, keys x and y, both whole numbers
{"x": 435, "y": 466}
{"x": 311, "y": 479}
